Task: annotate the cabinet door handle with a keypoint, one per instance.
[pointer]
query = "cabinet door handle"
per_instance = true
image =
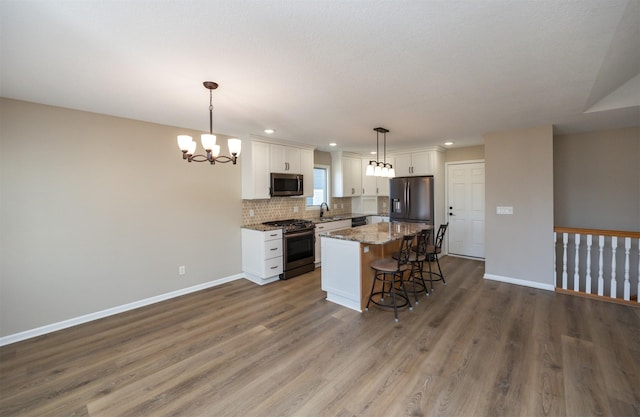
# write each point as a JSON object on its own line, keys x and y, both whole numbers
{"x": 274, "y": 267}
{"x": 274, "y": 235}
{"x": 274, "y": 249}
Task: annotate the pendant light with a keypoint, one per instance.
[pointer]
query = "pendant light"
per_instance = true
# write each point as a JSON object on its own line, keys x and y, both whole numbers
{"x": 208, "y": 140}
{"x": 380, "y": 168}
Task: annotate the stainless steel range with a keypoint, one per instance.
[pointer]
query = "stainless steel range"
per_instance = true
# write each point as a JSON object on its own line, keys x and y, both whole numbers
{"x": 299, "y": 246}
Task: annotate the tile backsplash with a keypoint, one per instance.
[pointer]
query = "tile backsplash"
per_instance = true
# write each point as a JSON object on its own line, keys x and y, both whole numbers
{"x": 279, "y": 208}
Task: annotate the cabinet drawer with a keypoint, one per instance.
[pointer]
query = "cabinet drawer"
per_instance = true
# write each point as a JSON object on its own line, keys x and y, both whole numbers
{"x": 272, "y": 248}
{"x": 272, "y": 267}
{"x": 273, "y": 235}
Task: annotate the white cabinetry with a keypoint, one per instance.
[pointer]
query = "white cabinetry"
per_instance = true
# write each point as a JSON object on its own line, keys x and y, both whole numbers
{"x": 326, "y": 227}
{"x": 285, "y": 159}
{"x": 262, "y": 255}
{"x": 255, "y": 170}
{"x": 377, "y": 219}
{"x": 415, "y": 163}
{"x": 347, "y": 175}
{"x": 259, "y": 159}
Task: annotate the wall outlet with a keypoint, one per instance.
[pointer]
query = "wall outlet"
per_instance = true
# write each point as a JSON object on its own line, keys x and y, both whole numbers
{"x": 295, "y": 209}
{"x": 335, "y": 205}
{"x": 504, "y": 210}
{"x": 182, "y": 270}
{"x": 252, "y": 213}
{"x": 341, "y": 205}
{"x": 384, "y": 204}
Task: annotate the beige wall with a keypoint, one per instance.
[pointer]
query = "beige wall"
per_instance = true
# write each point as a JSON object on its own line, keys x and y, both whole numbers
{"x": 519, "y": 173}
{"x": 469, "y": 153}
{"x": 321, "y": 158}
{"x": 99, "y": 211}
{"x": 597, "y": 180}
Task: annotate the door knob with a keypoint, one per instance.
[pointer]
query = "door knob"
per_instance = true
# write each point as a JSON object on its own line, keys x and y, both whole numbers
{"x": 451, "y": 214}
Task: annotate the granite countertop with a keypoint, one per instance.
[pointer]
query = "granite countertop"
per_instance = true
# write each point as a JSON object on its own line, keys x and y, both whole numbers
{"x": 330, "y": 218}
{"x": 378, "y": 233}
{"x": 265, "y": 228}
{"x": 261, "y": 227}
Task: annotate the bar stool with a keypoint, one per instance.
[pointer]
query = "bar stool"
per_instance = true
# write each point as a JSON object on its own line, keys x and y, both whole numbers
{"x": 432, "y": 255}
{"x": 390, "y": 272}
{"x": 416, "y": 258}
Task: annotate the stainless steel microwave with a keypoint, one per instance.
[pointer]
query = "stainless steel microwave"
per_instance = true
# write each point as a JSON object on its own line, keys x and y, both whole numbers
{"x": 286, "y": 185}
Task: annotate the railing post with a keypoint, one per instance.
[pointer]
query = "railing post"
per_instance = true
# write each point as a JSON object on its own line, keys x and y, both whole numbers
{"x": 614, "y": 283}
{"x": 588, "y": 281}
{"x": 576, "y": 272}
{"x": 627, "y": 284}
{"x": 555, "y": 269}
{"x": 600, "y": 277}
{"x": 565, "y": 240}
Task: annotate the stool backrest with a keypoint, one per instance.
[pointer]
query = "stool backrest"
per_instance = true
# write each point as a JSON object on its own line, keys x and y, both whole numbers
{"x": 405, "y": 250}
{"x": 422, "y": 241}
{"x": 440, "y": 236}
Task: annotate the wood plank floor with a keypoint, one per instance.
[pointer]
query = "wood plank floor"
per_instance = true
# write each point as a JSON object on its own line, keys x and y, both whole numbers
{"x": 473, "y": 347}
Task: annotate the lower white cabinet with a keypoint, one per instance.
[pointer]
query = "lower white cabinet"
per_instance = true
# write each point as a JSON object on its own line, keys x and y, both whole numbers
{"x": 326, "y": 227}
{"x": 378, "y": 219}
{"x": 262, "y": 260}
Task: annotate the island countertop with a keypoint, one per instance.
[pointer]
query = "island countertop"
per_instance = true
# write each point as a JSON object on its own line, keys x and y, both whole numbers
{"x": 377, "y": 233}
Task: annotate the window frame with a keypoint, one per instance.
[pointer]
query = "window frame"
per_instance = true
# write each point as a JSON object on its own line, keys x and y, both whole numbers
{"x": 327, "y": 169}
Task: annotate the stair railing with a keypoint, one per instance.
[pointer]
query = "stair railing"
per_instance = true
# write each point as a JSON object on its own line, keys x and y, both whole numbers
{"x": 579, "y": 251}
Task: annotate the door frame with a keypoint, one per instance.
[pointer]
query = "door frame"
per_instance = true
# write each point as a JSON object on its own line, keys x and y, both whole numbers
{"x": 446, "y": 201}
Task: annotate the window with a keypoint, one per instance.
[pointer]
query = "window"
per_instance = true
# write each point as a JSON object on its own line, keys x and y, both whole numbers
{"x": 320, "y": 187}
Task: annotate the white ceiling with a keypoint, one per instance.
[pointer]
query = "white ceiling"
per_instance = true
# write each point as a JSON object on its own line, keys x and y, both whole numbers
{"x": 323, "y": 71}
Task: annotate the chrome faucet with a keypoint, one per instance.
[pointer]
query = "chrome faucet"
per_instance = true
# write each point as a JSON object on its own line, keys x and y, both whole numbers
{"x": 322, "y": 211}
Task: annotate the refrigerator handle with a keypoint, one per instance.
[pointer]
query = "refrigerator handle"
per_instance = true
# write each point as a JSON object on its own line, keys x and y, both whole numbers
{"x": 407, "y": 198}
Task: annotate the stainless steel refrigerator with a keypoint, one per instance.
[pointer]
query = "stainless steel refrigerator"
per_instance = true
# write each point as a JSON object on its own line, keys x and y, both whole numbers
{"x": 411, "y": 199}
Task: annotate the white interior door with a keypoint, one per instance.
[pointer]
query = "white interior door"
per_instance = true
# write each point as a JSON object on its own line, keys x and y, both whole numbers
{"x": 465, "y": 190}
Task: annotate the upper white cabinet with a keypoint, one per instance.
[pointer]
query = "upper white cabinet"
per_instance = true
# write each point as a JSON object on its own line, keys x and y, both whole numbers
{"x": 347, "y": 175}
{"x": 415, "y": 163}
{"x": 255, "y": 170}
{"x": 306, "y": 160}
{"x": 259, "y": 159}
{"x": 374, "y": 186}
{"x": 285, "y": 159}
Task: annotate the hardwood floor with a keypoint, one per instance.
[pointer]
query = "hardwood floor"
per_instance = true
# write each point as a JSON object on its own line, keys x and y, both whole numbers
{"x": 473, "y": 347}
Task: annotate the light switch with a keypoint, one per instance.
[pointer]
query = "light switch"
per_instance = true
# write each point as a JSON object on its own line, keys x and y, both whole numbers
{"x": 504, "y": 210}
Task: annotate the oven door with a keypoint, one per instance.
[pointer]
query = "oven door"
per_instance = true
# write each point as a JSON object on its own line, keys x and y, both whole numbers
{"x": 299, "y": 250}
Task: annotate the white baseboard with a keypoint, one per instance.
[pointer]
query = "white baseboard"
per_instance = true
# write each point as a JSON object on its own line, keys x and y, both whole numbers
{"x": 532, "y": 284}
{"x": 49, "y": 328}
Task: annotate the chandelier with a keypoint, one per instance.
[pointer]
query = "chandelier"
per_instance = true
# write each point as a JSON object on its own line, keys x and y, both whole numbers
{"x": 208, "y": 140}
{"x": 380, "y": 168}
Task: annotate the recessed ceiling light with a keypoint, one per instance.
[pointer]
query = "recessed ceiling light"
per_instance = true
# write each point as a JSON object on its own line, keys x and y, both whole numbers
{"x": 448, "y": 143}
{"x": 333, "y": 144}
{"x": 269, "y": 131}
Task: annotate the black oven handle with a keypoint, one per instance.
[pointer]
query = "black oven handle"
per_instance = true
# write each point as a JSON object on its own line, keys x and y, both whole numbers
{"x": 299, "y": 233}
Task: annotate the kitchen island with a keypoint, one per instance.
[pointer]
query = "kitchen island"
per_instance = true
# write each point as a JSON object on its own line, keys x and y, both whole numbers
{"x": 346, "y": 256}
